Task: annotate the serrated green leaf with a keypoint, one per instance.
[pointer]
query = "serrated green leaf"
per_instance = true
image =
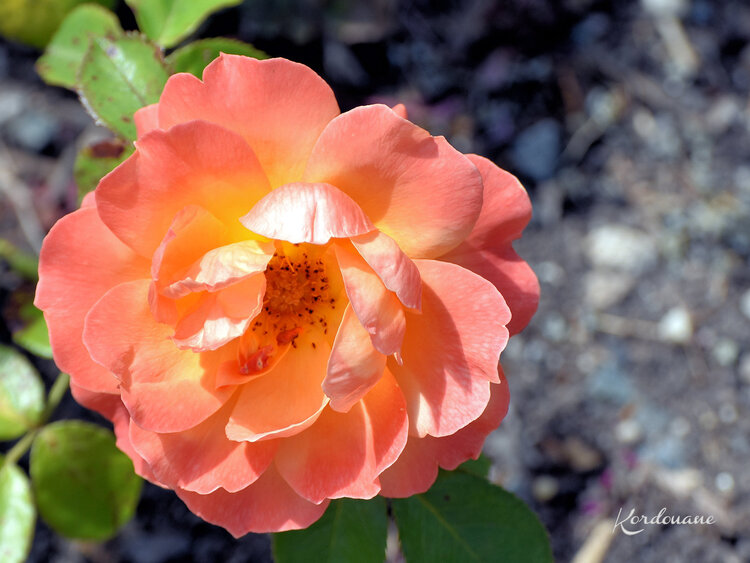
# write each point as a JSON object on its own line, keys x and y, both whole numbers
{"x": 21, "y": 394}
{"x": 35, "y": 21}
{"x": 34, "y": 336}
{"x": 84, "y": 486}
{"x": 17, "y": 514}
{"x": 96, "y": 161}
{"x": 169, "y": 21}
{"x": 195, "y": 56}
{"x": 120, "y": 76}
{"x": 465, "y": 518}
{"x": 350, "y": 530}
{"x": 63, "y": 57}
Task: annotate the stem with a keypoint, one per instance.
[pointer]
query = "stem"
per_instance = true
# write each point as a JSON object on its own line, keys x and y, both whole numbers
{"x": 20, "y": 448}
{"x": 56, "y": 393}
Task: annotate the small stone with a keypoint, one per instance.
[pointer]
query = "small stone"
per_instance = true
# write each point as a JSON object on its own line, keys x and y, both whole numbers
{"x": 745, "y": 303}
{"x": 628, "y": 431}
{"x": 725, "y": 482}
{"x": 676, "y": 326}
{"x": 544, "y": 488}
{"x": 621, "y": 248}
{"x": 708, "y": 420}
{"x": 580, "y": 455}
{"x": 537, "y": 148}
{"x": 680, "y": 427}
{"x": 554, "y": 327}
{"x": 727, "y": 413}
{"x": 725, "y": 352}
{"x": 664, "y": 7}
{"x": 550, "y": 273}
{"x": 603, "y": 289}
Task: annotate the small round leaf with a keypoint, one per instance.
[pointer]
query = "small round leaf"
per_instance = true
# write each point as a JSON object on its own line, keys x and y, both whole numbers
{"x": 84, "y": 486}
{"x": 21, "y": 394}
{"x": 17, "y": 514}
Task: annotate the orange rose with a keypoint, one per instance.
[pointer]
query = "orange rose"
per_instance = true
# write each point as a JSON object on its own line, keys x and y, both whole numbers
{"x": 277, "y": 304}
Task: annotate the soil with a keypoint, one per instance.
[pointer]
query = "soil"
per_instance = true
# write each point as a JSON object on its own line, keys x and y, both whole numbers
{"x": 629, "y": 124}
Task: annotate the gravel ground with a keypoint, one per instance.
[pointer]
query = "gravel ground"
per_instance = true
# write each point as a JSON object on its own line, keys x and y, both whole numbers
{"x": 629, "y": 124}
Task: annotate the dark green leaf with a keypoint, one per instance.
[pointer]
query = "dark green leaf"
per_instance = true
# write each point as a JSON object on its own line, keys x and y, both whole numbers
{"x": 16, "y": 514}
{"x": 350, "y": 530}
{"x": 119, "y": 77}
{"x": 479, "y": 467}
{"x": 21, "y": 394}
{"x": 95, "y": 161}
{"x": 84, "y": 486}
{"x": 35, "y": 21}
{"x": 34, "y": 336}
{"x": 194, "y": 57}
{"x": 64, "y": 55}
{"x": 465, "y": 518}
{"x": 169, "y": 21}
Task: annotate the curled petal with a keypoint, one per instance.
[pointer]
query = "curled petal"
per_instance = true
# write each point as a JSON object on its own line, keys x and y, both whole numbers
{"x": 342, "y": 454}
{"x": 312, "y": 213}
{"x": 268, "y": 505}
{"x": 354, "y": 367}
{"x": 122, "y": 335}
{"x": 278, "y": 106}
{"x": 391, "y": 168}
{"x": 196, "y": 163}
{"x": 451, "y": 350}
{"x": 81, "y": 253}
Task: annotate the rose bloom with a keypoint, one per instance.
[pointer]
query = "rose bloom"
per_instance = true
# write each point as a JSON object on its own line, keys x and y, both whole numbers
{"x": 277, "y": 304}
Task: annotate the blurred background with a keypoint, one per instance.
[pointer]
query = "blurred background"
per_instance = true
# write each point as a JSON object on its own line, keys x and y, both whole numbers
{"x": 629, "y": 124}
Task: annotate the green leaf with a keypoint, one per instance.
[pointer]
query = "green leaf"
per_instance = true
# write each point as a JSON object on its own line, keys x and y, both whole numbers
{"x": 35, "y": 21}
{"x": 84, "y": 486}
{"x": 95, "y": 161}
{"x": 27, "y": 265}
{"x": 479, "y": 467}
{"x": 194, "y": 57}
{"x": 17, "y": 514}
{"x": 34, "y": 336}
{"x": 21, "y": 394}
{"x": 169, "y": 21}
{"x": 465, "y": 518}
{"x": 350, "y": 530}
{"x": 120, "y": 76}
{"x": 63, "y": 57}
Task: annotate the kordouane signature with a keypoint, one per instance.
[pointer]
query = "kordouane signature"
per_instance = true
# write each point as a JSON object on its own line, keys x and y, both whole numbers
{"x": 633, "y": 523}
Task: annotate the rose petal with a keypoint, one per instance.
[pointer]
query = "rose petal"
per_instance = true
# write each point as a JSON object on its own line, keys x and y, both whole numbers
{"x": 354, "y": 367}
{"x": 451, "y": 350}
{"x": 378, "y": 309}
{"x": 287, "y": 399}
{"x": 417, "y": 467}
{"x": 312, "y": 213}
{"x": 79, "y": 262}
{"x": 202, "y": 459}
{"x": 122, "y": 335}
{"x": 391, "y": 168}
{"x": 196, "y": 163}
{"x": 342, "y": 454}
{"x": 278, "y": 106}
{"x": 268, "y": 505}
{"x": 146, "y": 119}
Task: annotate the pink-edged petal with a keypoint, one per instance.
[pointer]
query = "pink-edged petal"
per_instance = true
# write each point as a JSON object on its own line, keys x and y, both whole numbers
{"x": 354, "y": 367}
{"x": 196, "y": 163}
{"x": 111, "y": 407}
{"x": 513, "y": 277}
{"x": 400, "y": 110}
{"x": 416, "y": 188}
{"x": 397, "y": 271}
{"x": 219, "y": 317}
{"x": 202, "y": 459}
{"x": 451, "y": 351}
{"x": 287, "y": 399}
{"x": 268, "y": 505}
{"x": 278, "y": 106}
{"x": 417, "y": 467}
{"x": 506, "y": 208}
{"x": 378, "y": 310}
{"x": 79, "y": 262}
{"x": 342, "y": 454}
{"x": 312, "y": 213}
{"x": 146, "y": 119}
{"x": 89, "y": 200}
{"x": 164, "y": 388}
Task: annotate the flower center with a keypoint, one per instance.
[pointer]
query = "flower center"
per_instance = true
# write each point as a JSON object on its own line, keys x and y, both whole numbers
{"x": 297, "y": 299}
